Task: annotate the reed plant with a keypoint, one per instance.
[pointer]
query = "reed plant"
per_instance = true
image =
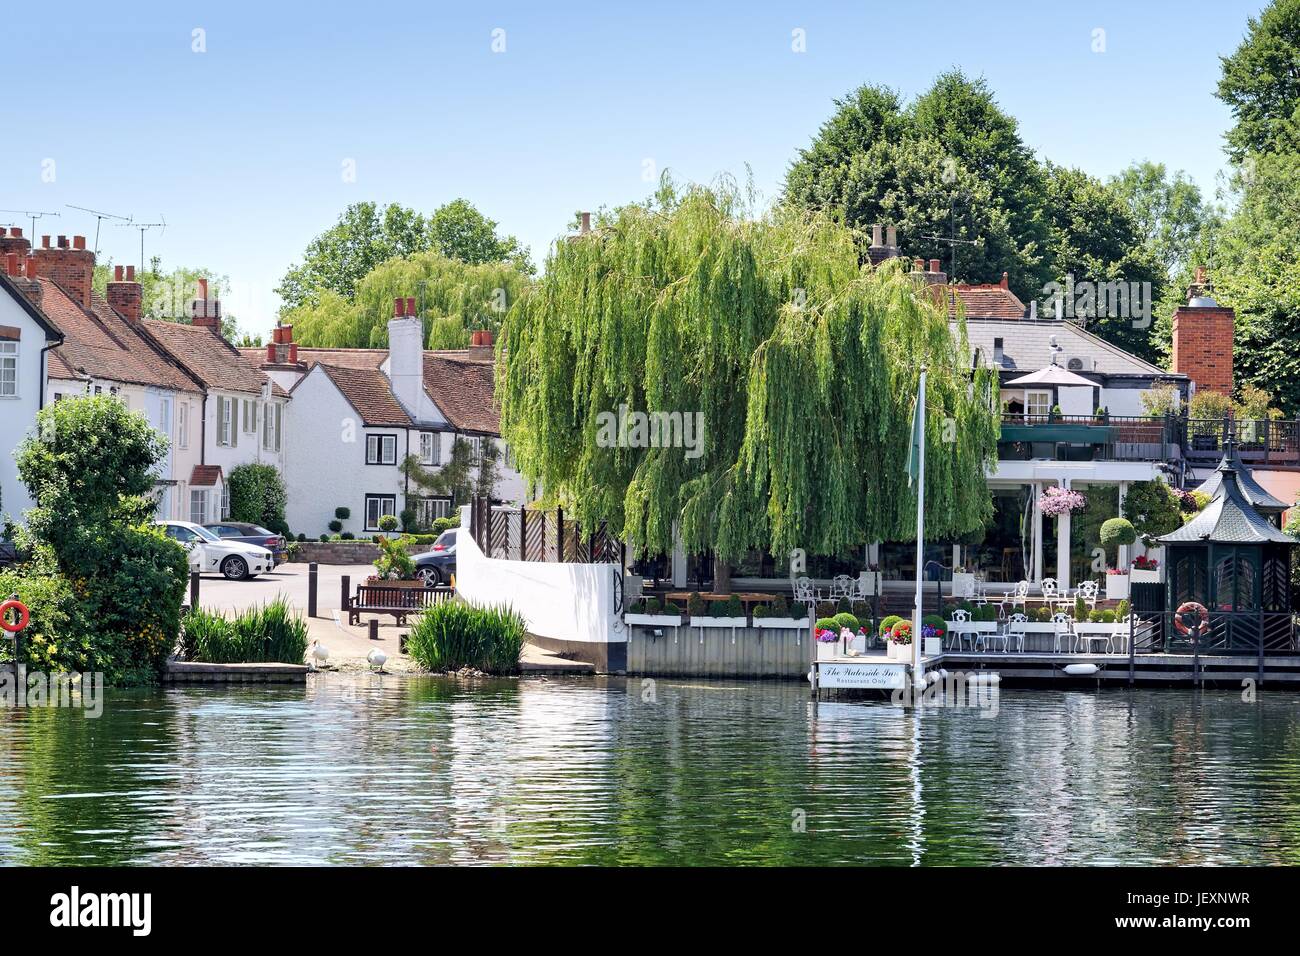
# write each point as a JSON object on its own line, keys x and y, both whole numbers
{"x": 271, "y": 633}
{"x": 454, "y": 635}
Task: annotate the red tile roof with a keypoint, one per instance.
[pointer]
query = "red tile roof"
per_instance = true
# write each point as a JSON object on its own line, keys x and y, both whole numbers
{"x": 369, "y": 392}
{"x": 462, "y": 388}
{"x": 989, "y": 301}
{"x": 101, "y": 344}
{"x": 339, "y": 358}
{"x": 209, "y": 358}
{"x": 205, "y": 475}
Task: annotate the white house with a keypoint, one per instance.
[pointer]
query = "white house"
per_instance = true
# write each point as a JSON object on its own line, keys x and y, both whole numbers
{"x": 26, "y": 335}
{"x": 357, "y": 414}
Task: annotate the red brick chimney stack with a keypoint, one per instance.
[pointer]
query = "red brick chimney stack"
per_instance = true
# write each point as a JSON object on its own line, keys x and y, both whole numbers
{"x": 12, "y": 240}
{"x": 124, "y": 293}
{"x": 70, "y": 266}
{"x": 205, "y": 313}
{"x": 1203, "y": 338}
{"x": 282, "y": 349}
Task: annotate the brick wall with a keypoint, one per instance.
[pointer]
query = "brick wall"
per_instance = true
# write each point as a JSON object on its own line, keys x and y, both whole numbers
{"x": 1203, "y": 346}
{"x": 70, "y": 266}
{"x": 346, "y": 552}
{"x": 124, "y": 293}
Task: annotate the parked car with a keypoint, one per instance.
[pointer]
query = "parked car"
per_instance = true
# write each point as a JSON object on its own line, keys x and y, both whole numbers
{"x": 438, "y": 564}
{"x": 251, "y": 534}
{"x": 233, "y": 559}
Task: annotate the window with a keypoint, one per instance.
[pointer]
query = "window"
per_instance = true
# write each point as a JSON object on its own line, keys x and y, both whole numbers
{"x": 183, "y": 535}
{"x": 249, "y": 417}
{"x": 1038, "y": 404}
{"x": 8, "y": 369}
{"x": 271, "y": 421}
{"x": 226, "y": 433}
{"x": 381, "y": 449}
{"x": 225, "y": 501}
{"x": 430, "y": 448}
{"x": 58, "y": 396}
{"x": 183, "y": 425}
{"x": 475, "y": 449}
{"x": 198, "y": 505}
{"x": 428, "y": 510}
{"x": 376, "y": 507}
{"x": 165, "y": 416}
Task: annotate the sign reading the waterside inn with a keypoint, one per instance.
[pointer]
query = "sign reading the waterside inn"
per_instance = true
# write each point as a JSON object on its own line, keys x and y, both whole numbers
{"x": 862, "y": 674}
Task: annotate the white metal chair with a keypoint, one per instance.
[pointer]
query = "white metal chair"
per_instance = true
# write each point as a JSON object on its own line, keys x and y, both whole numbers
{"x": 804, "y": 592}
{"x": 1052, "y": 595}
{"x": 1018, "y": 597}
{"x": 1088, "y": 591}
{"x": 1016, "y": 630}
{"x": 842, "y": 586}
{"x": 1062, "y": 621}
{"x": 958, "y": 632}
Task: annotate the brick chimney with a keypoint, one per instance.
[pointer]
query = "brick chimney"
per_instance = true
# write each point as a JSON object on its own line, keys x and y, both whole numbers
{"x": 888, "y": 249}
{"x": 1203, "y": 333}
{"x": 205, "y": 313}
{"x": 124, "y": 294}
{"x": 70, "y": 265}
{"x": 12, "y": 240}
{"x": 931, "y": 273}
{"x": 282, "y": 350}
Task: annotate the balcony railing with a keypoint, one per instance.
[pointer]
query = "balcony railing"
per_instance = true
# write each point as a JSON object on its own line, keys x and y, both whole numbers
{"x": 1088, "y": 437}
{"x": 1260, "y": 441}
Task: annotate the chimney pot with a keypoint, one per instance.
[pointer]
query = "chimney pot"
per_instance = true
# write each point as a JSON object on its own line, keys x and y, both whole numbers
{"x": 11, "y": 263}
{"x": 63, "y": 242}
{"x": 270, "y": 352}
{"x": 876, "y": 232}
{"x": 918, "y": 264}
{"x": 293, "y": 353}
{"x": 410, "y": 305}
{"x": 78, "y": 242}
{"x": 1200, "y": 275}
{"x": 586, "y": 222}
{"x": 45, "y": 242}
{"x": 1003, "y": 283}
{"x": 130, "y": 273}
{"x": 16, "y": 232}
{"x": 117, "y": 273}
{"x": 203, "y": 289}
{"x": 399, "y": 308}
{"x": 934, "y": 265}
{"x": 288, "y": 331}
{"x": 891, "y": 236}
{"x": 32, "y": 271}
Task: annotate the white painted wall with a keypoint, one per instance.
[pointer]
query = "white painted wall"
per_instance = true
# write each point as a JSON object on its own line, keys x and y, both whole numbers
{"x": 571, "y": 602}
{"x": 1075, "y": 400}
{"x": 248, "y": 444}
{"x": 18, "y": 414}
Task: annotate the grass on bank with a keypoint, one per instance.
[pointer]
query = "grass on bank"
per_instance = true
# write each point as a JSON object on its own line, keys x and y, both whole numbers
{"x": 454, "y": 635}
{"x": 270, "y": 634}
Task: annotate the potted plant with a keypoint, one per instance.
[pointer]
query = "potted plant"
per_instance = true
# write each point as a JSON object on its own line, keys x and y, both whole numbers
{"x": 779, "y": 615}
{"x": 827, "y": 642}
{"x": 932, "y": 632}
{"x": 886, "y": 629}
{"x": 1056, "y": 501}
{"x": 394, "y": 567}
{"x": 1116, "y": 584}
{"x": 900, "y": 641}
{"x": 729, "y": 613}
{"x": 1145, "y": 570}
{"x": 653, "y": 612}
{"x": 1116, "y": 533}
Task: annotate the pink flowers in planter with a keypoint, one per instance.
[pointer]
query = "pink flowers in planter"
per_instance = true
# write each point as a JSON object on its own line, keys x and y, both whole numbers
{"x": 1055, "y": 501}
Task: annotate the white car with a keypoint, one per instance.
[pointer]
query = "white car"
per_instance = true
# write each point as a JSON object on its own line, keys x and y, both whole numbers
{"x": 235, "y": 560}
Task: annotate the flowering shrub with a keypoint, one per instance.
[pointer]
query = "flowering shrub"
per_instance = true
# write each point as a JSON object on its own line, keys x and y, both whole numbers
{"x": 1054, "y": 501}
{"x": 1144, "y": 563}
{"x": 901, "y": 633}
{"x": 826, "y": 636}
{"x": 1117, "y": 571}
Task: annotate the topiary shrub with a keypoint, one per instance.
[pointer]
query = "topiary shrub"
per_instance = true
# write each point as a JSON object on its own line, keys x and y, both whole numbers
{"x": 1116, "y": 532}
{"x": 887, "y": 625}
{"x": 844, "y": 619}
{"x": 336, "y": 526}
{"x": 342, "y": 514}
{"x": 388, "y": 523}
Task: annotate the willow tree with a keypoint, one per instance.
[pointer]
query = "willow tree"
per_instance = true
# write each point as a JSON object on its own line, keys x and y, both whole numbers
{"x": 802, "y": 361}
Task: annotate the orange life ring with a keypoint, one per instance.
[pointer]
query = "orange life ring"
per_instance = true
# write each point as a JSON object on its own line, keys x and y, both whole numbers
{"x": 23, "y": 616}
{"x": 1190, "y": 607}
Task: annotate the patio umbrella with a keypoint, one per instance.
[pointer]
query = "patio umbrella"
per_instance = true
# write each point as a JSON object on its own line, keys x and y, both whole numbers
{"x": 1052, "y": 375}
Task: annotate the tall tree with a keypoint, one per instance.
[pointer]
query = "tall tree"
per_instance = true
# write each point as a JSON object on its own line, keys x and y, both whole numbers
{"x": 1261, "y": 83}
{"x": 459, "y": 231}
{"x": 1169, "y": 212}
{"x": 800, "y": 364}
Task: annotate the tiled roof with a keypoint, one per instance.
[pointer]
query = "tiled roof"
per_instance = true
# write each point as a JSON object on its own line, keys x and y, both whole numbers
{"x": 1027, "y": 347}
{"x": 989, "y": 301}
{"x": 205, "y": 475}
{"x": 1228, "y": 519}
{"x": 15, "y": 289}
{"x": 369, "y": 392}
{"x": 339, "y": 358}
{"x": 1250, "y": 489}
{"x": 209, "y": 357}
{"x": 102, "y": 344}
{"x": 463, "y": 389}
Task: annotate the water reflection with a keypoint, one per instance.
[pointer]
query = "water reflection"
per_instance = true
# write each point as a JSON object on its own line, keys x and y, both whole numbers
{"x": 369, "y": 769}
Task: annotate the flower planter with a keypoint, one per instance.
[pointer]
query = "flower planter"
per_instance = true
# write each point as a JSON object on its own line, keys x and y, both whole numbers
{"x": 788, "y": 623}
{"x": 373, "y": 582}
{"x": 933, "y": 646}
{"x": 1143, "y": 576}
{"x": 702, "y": 621}
{"x": 900, "y": 652}
{"x": 654, "y": 620}
{"x": 827, "y": 650}
{"x": 1116, "y": 587}
{"x": 963, "y": 584}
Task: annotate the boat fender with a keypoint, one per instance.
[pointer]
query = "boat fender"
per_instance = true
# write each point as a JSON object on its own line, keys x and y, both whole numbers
{"x": 1081, "y": 670}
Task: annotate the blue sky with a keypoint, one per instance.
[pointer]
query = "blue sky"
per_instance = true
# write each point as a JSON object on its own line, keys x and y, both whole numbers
{"x": 242, "y": 148}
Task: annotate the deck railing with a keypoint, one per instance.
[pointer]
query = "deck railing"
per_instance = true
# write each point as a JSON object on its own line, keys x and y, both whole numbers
{"x": 527, "y": 534}
{"x": 1231, "y": 633}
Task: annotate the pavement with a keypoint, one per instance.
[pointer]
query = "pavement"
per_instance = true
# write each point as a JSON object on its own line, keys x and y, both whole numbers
{"x": 348, "y": 646}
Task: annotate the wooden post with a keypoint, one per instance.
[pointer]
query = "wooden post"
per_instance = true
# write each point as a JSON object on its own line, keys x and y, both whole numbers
{"x": 194, "y": 591}
{"x": 311, "y": 589}
{"x": 523, "y": 533}
{"x": 374, "y": 628}
{"x": 344, "y": 600}
{"x": 559, "y": 534}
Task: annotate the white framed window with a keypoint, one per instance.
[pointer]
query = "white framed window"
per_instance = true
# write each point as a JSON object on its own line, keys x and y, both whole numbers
{"x": 429, "y": 510}
{"x": 1037, "y": 404}
{"x": 198, "y": 505}
{"x": 183, "y": 425}
{"x": 8, "y": 369}
{"x": 249, "y": 417}
{"x": 165, "y": 416}
{"x": 272, "y": 419}
{"x": 475, "y": 449}
{"x": 376, "y": 507}
{"x": 381, "y": 449}
{"x": 430, "y": 448}
{"x": 225, "y": 502}
{"x": 226, "y": 421}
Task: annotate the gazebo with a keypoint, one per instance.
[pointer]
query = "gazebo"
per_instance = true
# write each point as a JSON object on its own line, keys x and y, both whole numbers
{"x": 1251, "y": 489}
{"x": 1234, "y": 562}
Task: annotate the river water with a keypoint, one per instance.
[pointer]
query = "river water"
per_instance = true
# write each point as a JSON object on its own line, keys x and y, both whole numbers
{"x": 365, "y": 769}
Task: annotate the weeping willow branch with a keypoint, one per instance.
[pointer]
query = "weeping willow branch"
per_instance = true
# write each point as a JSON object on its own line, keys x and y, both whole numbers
{"x": 802, "y": 361}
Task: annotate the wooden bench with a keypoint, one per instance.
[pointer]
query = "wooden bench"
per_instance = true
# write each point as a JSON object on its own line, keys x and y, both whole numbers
{"x": 399, "y": 602}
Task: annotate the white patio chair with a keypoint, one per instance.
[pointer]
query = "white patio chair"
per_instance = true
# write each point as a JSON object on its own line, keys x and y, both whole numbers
{"x": 1051, "y": 593}
{"x": 1017, "y": 598}
{"x": 1062, "y": 622}
{"x": 958, "y": 632}
{"x": 1088, "y": 591}
{"x": 804, "y": 592}
{"x": 1016, "y": 630}
{"x": 842, "y": 586}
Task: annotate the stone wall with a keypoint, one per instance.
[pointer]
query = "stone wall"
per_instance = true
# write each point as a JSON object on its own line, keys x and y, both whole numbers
{"x": 345, "y": 552}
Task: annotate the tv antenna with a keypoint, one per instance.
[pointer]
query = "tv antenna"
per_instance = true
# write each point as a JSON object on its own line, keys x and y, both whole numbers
{"x": 33, "y": 215}
{"x": 951, "y": 239}
{"x": 99, "y": 219}
{"x": 145, "y": 227}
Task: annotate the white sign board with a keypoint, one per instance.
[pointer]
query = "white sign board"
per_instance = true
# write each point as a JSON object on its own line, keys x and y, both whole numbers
{"x": 861, "y": 674}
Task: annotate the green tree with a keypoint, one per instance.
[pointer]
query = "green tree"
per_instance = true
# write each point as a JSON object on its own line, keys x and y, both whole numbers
{"x": 1261, "y": 83}
{"x": 258, "y": 496}
{"x": 459, "y": 231}
{"x": 90, "y": 468}
{"x": 1152, "y": 508}
{"x": 801, "y": 365}
{"x": 166, "y": 295}
{"x": 1169, "y": 212}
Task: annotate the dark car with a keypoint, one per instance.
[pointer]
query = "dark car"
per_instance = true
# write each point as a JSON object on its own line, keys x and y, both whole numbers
{"x": 251, "y": 534}
{"x": 438, "y": 564}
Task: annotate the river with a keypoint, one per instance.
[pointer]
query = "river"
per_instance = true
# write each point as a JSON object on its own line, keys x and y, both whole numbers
{"x": 368, "y": 769}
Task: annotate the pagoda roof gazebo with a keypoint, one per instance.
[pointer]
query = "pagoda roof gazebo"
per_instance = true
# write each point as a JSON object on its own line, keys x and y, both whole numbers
{"x": 1235, "y": 562}
{"x": 1251, "y": 489}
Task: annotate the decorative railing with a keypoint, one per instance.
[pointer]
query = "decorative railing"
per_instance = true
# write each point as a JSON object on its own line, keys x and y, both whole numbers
{"x": 1107, "y": 437}
{"x": 1262, "y": 441}
{"x": 529, "y": 534}
{"x": 1230, "y": 633}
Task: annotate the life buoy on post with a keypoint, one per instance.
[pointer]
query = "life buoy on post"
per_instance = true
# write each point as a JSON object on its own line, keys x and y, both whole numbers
{"x": 23, "y": 616}
{"x": 1189, "y": 616}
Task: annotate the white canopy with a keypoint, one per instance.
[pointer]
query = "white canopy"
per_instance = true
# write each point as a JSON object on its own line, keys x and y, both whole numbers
{"x": 1052, "y": 375}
